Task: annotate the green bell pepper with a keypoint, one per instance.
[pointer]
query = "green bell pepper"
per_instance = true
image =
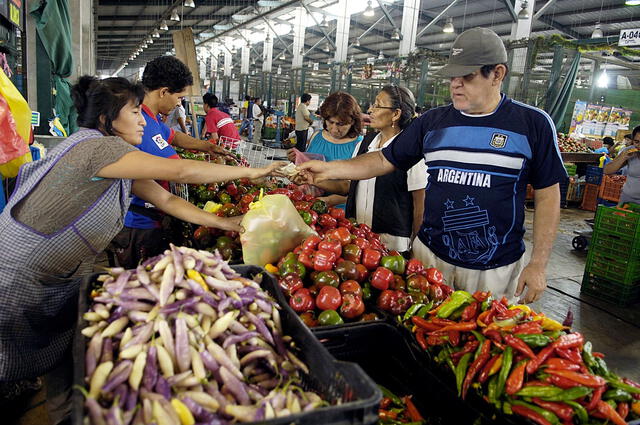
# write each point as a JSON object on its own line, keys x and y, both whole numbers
{"x": 319, "y": 206}
{"x": 330, "y": 317}
{"x": 395, "y": 263}
{"x": 306, "y": 217}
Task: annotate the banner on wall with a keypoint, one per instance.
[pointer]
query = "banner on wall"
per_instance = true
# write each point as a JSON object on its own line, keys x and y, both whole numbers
{"x": 592, "y": 120}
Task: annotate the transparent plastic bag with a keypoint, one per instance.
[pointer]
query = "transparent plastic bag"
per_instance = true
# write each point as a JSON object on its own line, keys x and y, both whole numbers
{"x": 272, "y": 227}
{"x": 302, "y": 157}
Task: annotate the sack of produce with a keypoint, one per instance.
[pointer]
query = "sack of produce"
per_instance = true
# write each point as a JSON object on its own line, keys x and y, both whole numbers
{"x": 272, "y": 227}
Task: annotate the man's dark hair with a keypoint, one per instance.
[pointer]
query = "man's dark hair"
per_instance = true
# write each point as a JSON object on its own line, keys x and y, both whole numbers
{"x": 210, "y": 99}
{"x": 95, "y": 99}
{"x": 628, "y": 136}
{"x": 608, "y": 141}
{"x": 486, "y": 69}
{"x": 166, "y": 71}
{"x": 305, "y": 98}
{"x": 247, "y": 97}
{"x": 635, "y": 131}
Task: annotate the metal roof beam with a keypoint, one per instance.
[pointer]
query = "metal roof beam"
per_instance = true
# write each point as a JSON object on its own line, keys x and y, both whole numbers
{"x": 564, "y": 29}
{"x": 544, "y": 9}
{"x": 511, "y": 10}
{"x": 324, "y": 33}
{"x": 386, "y": 14}
{"x": 201, "y": 3}
{"x": 436, "y": 19}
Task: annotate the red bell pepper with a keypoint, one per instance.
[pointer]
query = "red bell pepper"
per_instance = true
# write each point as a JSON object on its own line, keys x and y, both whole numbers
{"x": 329, "y": 298}
{"x": 371, "y": 258}
{"x": 340, "y": 234}
{"x": 434, "y": 276}
{"x": 323, "y": 260}
{"x": 362, "y": 243}
{"x": 302, "y": 301}
{"x": 562, "y": 364}
{"x": 610, "y": 413}
{"x": 331, "y": 245}
{"x": 327, "y": 222}
{"x": 381, "y": 278}
{"x": 533, "y": 327}
{"x": 352, "y": 306}
{"x": 302, "y": 205}
{"x": 311, "y": 243}
{"x": 386, "y": 299}
{"x": 516, "y": 378}
{"x": 478, "y": 363}
{"x": 414, "y": 266}
{"x": 363, "y": 273}
{"x": 520, "y": 345}
{"x": 587, "y": 380}
{"x": 530, "y": 414}
{"x": 352, "y": 252}
{"x": 563, "y": 411}
{"x": 542, "y": 356}
{"x": 337, "y": 213}
{"x": 296, "y": 195}
{"x": 306, "y": 258}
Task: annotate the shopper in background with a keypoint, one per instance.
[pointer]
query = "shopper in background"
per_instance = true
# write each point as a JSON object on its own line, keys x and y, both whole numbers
{"x": 217, "y": 123}
{"x": 393, "y": 204}
{"x": 166, "y": 80}
{"x": 481, "y": 151}
{"x": 176, "y": 119}
{"x": 607, "y": 150}
{"x": 303, "y": 121}
{"x": 342, "y": 128}
{"x": 45, "y": 251}
{"x": 247, "y": 122}
{"x": 628, "y": 161}
{"x": 258, "y": 120}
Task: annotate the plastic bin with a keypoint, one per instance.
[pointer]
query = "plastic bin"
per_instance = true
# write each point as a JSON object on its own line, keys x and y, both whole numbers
{"x": 615, "y": 245}
{"x": 617, "y": 222}
{"x": 611, "y": 292}
{"x": 571, "y": 168}
{"x": 590, "y": 197}
{"x": 593, "y": 175}
{"x": 611, "y": 187}
{"x": 333, "y": 380}
{"x": 612, "y": 267}
{"x": 384, "y": 353}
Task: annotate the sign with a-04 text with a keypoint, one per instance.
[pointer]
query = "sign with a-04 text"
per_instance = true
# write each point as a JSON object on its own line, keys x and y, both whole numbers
{"x": 629, "y": 37}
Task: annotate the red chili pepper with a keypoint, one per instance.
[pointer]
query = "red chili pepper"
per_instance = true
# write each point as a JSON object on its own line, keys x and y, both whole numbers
{"x": 520, "y": 345}
{"x": 571, "y": 354}
{"x": 537, "y": 384}
{"x": 387, "y": 415}
{"x": 596, "y": 396}
{"x": 484, "y": 375}
{"x": 581, "y": 378}
{"x": 412, "y": 411}
{"x": 533, "y": 327}
{"x": 385, "y": 403}
{"x": 481, "y": 296}
{"x": 509, "y": 314}
{"x": 562, "y": 364}
{"x": 424, "y": 324}
{"x": 436, "y": 340}
{"x": 610, "y": 413}
{"x": 420, "y": 337}
{"x": 569, "y": 341}
{"x": 493, "y": 334}
{"x": 443, "y": 322}
{"x": 470, "y": 312}
{"x": 598, "y": 354}
{"x": 462, "y": 326}
{"x": 483, "y": 358}
{"x": 561, "y": 382}
{"x": 561, "y": 410}
{"x": 623, "y": 410}
{"x": 498, "y": 307}
{"x": 469, "y": 347}
{"x": 530, "y": 414}
{"x": 516, "y": 378}
{"x": 454, "y": 338}
{"x": 543, "y": 355}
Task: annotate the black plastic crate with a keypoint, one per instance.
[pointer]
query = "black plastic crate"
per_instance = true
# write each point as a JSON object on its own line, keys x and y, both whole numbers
{"x": 387, "y": 356}
{"x": 333, "y": 380}
{"x": 593, "y": 175}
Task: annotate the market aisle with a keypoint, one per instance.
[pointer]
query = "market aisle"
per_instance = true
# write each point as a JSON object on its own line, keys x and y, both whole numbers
{"x": 613, "y": 330}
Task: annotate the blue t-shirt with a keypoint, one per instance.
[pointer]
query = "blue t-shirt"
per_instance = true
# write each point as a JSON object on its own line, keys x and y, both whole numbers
{"x": 333, "y": 151}
{"x": 479, "y": 167}
{"x": 156, "y": 140}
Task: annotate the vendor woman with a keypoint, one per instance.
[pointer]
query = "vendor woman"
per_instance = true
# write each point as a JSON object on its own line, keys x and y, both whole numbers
{"x": 67, "y": 207}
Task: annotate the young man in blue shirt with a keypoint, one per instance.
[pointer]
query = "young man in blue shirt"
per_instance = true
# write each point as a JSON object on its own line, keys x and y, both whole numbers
{"x": 481, "y": 151}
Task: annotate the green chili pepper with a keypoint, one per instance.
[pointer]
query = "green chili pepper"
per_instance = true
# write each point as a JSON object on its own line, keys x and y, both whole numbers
{"x": 569, "y": 394}
{"x": 486, "y": 304}
{"x": 424, "y": 310}
{"x": 461, "y": 371}
{"x": 412, "y": 311}
{"x": 617, "y": 394}
{"x": 449, "y": 360}
{"x": 479, "y": 336}
{"x": 507, "y": 360}
{"x": 553, "y": 334}
{"x": 366, "y": 291}
{"x": 541, "y": 392}
{"x": 612, "y": 404}
{"x": 457, "y": 314}
{"x": 506, "y": 408}
{"x": 492, "y": 393}
{"x": 549, "y": 416}
{"x": 579, "y": 410}
{"x": 534, "y": 340}
{"x": 388, "y": 394}
{"x": 616, "y": 383}
{"x": 457, "y": 299}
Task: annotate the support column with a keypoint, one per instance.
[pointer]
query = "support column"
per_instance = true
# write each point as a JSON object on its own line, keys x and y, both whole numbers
{"x": 267, "y": 52}
{"x": 332, "y": 87}
{"x": 303, "y": 75}
{"x": 519, "y": 30}
{"x": 299, "y": 26}
{"x": 32, "y": 64}
{"x": 349, "y": 80}
{"x": 269, "y": 92}
{"x": 595, "y": 73}
{"x": 82, "y": 39}
{"x": 410, "y": 19}
{"x": 342, "y": 32}
{"x": 422, "y": 83}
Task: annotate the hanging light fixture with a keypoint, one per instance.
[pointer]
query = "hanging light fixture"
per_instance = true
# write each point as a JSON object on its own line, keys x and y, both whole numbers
{"x": 325, "y": 48}
{"x": 144, "y": 45}
{"x": 381, "y": 55}
{"x": 357, "y": 42}
{"x": 149, "y": 40}
{"x": 126, "y": 63}
{"x": 175, "y": 16}
{"x": 352, "y": 60}
{"x": 164, "y": 26}
{"x": 189, "y": 3}
{"x": 324, "y": 23}
{"x": 369, "y": 12}
{"x": 597, "y": 31}
{"x": 524, "y": 10}
{"x": 155, "y": 34}
{"x": 395, "y": 35}
{"x": 253, "y": 61}
{"x": 632, "y": 3}
{"x": 448, "y": 26}
{"x": 283, "y": 56}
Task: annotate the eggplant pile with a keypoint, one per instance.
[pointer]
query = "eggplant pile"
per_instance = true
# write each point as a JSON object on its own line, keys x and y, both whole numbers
{"x": 184, "y": 339}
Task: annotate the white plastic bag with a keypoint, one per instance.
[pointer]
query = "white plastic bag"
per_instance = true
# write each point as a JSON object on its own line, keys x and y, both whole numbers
{"x": 272, "y": 227}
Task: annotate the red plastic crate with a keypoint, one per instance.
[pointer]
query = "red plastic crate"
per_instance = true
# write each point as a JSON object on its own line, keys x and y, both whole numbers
{"x": 611, "y": 187}
{"x": 590, "y": 198}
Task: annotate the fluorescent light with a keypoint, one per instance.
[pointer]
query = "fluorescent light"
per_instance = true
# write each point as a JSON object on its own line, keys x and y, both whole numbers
{"x": 395, "y": 35}
{"x": 381, "y": 55}
{"x": 632, "y": 3}
{"x": 369, "y": 12}
{"x": 448, "y": 26}
{"x": 175, "y": 16}
{"x": 189, "y": 3}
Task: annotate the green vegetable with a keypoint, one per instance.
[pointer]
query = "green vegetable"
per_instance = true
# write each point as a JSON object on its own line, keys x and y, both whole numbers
{"x": 395, "y": 263}
{"x": 457, "y": 300}
{"x": 570, "y": 394}
{"x": 617, "y": 394}
{"x": 534, "y": 340}
{"x": 549, "y": 416}
{"x": 461, "y": 371}
{"x": 507, "y": 360}
{"x": 412, "y": 311}
{"x": 492, "y": 393}
{"x": 616, "y": 383}
{"x": 424, "y": 310}
{"x": 394, "y": 398}
{"x": 541, "y": 392}
{"x": 579, "y": 410}
{"x": 330, "y": 317}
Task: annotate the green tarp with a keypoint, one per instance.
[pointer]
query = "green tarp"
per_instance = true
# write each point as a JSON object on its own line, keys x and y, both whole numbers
{"x": 559, "y": 97}
{"x": 53, "y": 25}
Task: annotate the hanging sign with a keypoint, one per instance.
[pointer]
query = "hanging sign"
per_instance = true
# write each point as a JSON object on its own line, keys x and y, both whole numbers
{"x": 371, "y": 61}
{"x": 629, "y": 37}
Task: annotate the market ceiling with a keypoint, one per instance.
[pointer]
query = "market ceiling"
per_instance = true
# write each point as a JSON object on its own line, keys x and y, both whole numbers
{"x": 122, "y": 25}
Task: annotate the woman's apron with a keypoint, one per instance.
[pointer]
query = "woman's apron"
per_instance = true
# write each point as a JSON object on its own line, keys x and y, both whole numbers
{"x": 40, "y": 274}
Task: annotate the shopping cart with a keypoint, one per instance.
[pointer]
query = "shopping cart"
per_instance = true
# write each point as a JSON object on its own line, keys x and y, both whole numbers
{"x": 179, "y": 189}
{"x": 257, "y": 156}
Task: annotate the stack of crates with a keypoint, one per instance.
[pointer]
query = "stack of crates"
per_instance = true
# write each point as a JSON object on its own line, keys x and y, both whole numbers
{"x": 612, "y": 272}
{"x": 611, "y": 187}
{"x": 593, "y": 175}
{"x": 590, "y": 197}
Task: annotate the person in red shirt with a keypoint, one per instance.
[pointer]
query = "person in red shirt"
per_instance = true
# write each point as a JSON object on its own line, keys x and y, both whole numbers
{"x": 219, "y": 127}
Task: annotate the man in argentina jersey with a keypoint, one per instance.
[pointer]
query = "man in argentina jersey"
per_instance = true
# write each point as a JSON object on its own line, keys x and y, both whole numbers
{"x": 481, "y": 151}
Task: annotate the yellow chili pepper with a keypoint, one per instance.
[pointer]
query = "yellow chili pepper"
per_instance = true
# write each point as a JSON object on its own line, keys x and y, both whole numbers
{"x": 496, "y": 366}
{"x": 635, "y": 406}
{"x": 523, "y": 307}
{"x": 550, "y": 324}
{"x": 186, "y": 418}
{"x": 271, "y": 268}
{"x": 197, "y": 277}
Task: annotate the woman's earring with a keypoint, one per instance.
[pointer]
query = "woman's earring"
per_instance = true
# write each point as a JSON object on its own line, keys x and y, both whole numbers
{"x": 393, "y": 124}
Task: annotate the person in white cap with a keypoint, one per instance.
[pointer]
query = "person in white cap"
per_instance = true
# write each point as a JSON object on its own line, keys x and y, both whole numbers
{"x": 481, "y": 151}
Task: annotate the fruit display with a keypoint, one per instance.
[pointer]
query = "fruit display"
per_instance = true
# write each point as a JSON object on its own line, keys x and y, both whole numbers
{"x": 183, "y": 338}
{"x": 523, "y": 363}
{"x": 570, "y": 144}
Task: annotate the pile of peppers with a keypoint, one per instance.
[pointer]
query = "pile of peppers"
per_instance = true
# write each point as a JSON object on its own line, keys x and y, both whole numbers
{"x": 523, "y": 362}
{"x": 396, "y": 410}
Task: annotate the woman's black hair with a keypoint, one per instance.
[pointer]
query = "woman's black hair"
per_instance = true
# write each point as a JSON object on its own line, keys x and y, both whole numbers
{"x": 210, "y": 99}
{"x": 99, "y": 102}
{"x": 166, "y": 71}
{"x": 402, "y": 98}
